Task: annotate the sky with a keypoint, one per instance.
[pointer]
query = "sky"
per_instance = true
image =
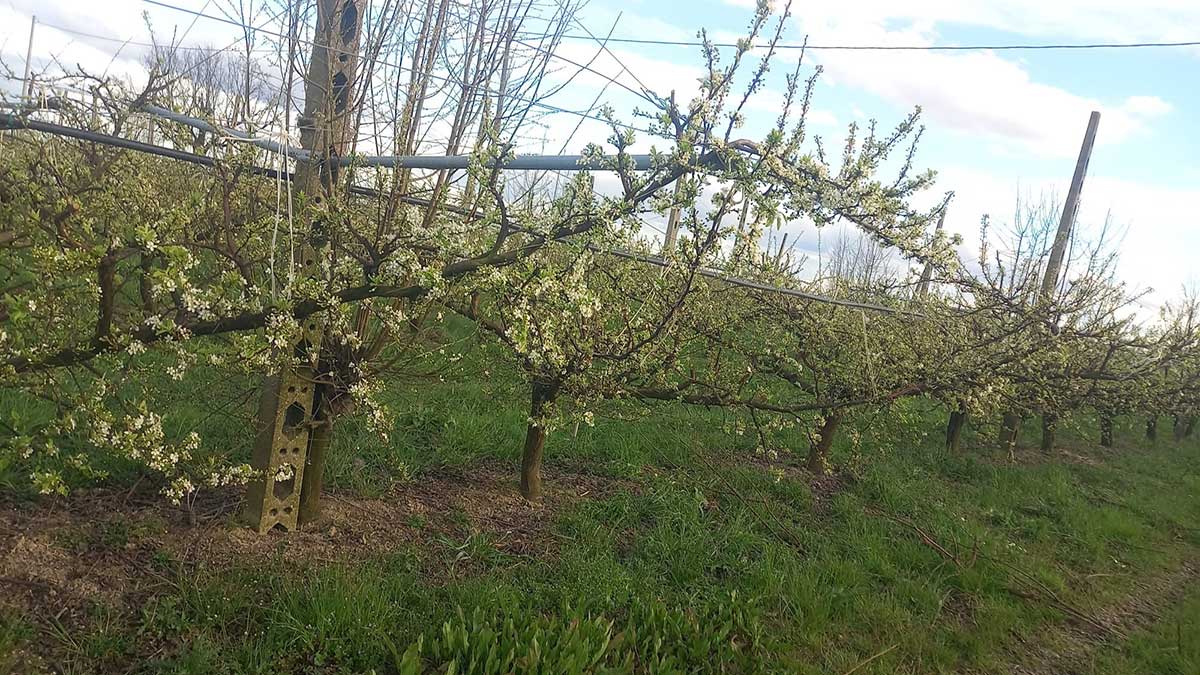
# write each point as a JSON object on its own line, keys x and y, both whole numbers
{"x": 998, "y": 124}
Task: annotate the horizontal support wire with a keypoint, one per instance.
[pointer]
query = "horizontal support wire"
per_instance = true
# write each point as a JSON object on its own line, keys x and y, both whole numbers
{"x": 890, "y": 48}
{"x": 17, "y": 122}
{"x": 756, "y": 285}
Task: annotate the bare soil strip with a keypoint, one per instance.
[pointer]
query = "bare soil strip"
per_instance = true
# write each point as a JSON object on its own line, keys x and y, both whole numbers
{"x": 60, "y": 557}
{"x": 1069, "y": 648}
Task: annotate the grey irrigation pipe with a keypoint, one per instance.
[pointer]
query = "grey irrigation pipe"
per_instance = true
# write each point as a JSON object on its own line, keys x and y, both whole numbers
{"x": 517, "y": 163}
{"x": 196, "y": 122}
{"x": 10, "y": 121}
{"x": 17, "y": 122}
{"x": 432, "y": 162}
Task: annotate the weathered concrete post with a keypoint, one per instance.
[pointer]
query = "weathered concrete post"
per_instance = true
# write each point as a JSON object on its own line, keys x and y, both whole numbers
{"x": 291, "y": 413}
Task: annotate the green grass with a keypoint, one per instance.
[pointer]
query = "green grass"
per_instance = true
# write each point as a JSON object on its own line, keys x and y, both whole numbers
{"x": 691, "y": 563}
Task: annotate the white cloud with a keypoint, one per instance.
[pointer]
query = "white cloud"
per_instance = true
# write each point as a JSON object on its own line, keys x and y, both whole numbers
{"x": 104, "y": 37}
{"x": 1161, "y": 227}
{"x": 661, "y": 76}
{"x": 1105, "y": 20}
{"x": 820, "y": 117}
{"x": 1147, "y": 106}
{"x": 599, "y": 18}
{"x": 118, "y": 19}
{"x": 54, "y": 49}
{"x": 629, "y": 68}
{"x": 981, "y": 94}
{"x": 989, "y": 97}
{"x": 1163, "y": 230}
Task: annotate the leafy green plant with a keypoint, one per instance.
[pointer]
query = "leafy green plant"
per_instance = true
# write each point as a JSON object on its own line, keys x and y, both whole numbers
{"x": 651, "y": 637}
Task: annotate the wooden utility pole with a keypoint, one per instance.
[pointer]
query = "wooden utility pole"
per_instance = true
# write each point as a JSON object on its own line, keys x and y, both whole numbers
{"x": 1070, "y": 208}
{"x": 672, "y": 232}
{"x": 1011, "y": 426}
{"x": 1059, "y": 250}
{"x": 927, "y": 273}
{"x": 27, "y": 86}
{"x": 293, "y": 420}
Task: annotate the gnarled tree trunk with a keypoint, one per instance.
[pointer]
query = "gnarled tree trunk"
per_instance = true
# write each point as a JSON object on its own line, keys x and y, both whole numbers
{"x": 543, "y": 394}
{"x": 954, "y": 428}
{"x": 1049, "y": 431}
{"x": 818, "y": 448}
{"x": 1009, "y": 429}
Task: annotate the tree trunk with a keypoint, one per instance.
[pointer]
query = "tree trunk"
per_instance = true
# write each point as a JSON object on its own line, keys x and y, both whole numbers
{"x": 543, "y": 393}
{"x": 1009, "y": 430}
{"x": 314, "y": 461}
{"x": 1106, "y": 430}
{"x": 818, "y": 450}
{"x": 958, "y": 420}
{"x": 1190, "y": 428}
{"x": 1152, "y": 429}
{"x": 1180, "y": 428}
{"x": 1049, "y": 431}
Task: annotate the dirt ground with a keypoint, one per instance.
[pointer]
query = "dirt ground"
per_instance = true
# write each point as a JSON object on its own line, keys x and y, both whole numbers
{"x": 1069, "y": 648}
{"x": 61, "y": 558}
{"x": 100, "y": 547}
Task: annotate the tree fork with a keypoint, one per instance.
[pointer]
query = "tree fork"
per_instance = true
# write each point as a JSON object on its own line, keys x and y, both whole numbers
{"x": 292, "y": 418}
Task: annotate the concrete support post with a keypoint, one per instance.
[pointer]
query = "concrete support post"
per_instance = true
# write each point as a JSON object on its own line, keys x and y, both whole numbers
{"x": 291, "y": 413}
